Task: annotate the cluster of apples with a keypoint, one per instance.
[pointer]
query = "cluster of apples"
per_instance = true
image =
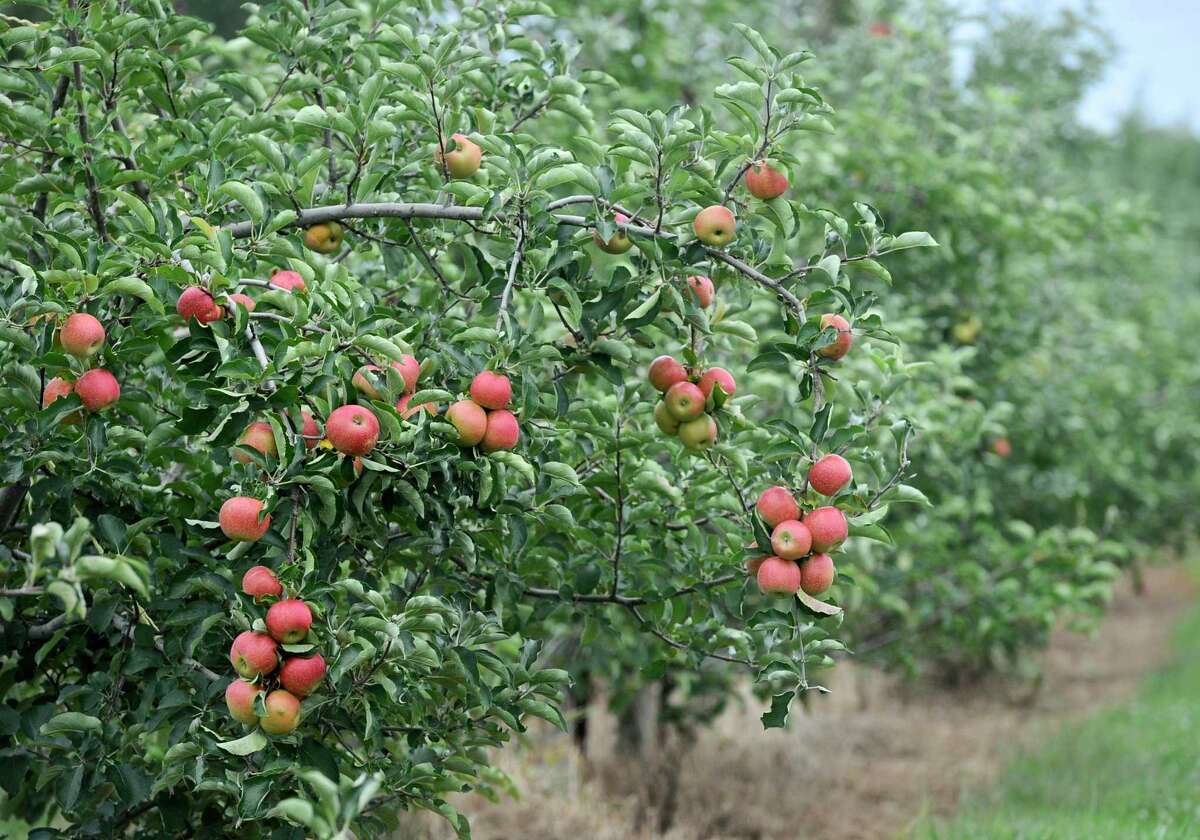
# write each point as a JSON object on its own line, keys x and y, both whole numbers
{"x": 256, "y": 655}
{"x": 82, "y": 335}
{"x": 801, "y": 544}
{"x": 683, "y": 410}
{"x": 484, "y": 418}
{"x": 197, "y": 302}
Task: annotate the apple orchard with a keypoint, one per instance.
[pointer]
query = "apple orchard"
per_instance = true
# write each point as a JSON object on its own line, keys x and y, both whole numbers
{"x": 348, "y": 364}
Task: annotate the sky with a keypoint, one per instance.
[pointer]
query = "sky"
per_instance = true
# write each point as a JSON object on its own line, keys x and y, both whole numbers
{"x": 1157, "y": 66}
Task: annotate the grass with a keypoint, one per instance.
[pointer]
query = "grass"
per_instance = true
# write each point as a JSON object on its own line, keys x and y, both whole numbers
{"x": 1132, "y": 772}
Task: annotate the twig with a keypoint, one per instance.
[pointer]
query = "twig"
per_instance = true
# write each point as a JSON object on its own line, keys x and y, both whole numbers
{"x": 89, "y": 178}
{"x": 513, "y": 268}
{"x": 619, "y": 522}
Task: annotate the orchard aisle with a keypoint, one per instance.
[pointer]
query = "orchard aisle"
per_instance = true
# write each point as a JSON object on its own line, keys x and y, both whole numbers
{"x": 883, "y": 755}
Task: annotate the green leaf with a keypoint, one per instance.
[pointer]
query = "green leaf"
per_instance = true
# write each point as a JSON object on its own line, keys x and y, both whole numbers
{"x": 561, "y": 471}
{"x": 70, "y": 722}
{"x": 136, "y": 206}
{"x": 245, "y": 195}
{"x": 777, "y": 717}
{"x": 135, "y": 287}
{"x": 246, "y": 745}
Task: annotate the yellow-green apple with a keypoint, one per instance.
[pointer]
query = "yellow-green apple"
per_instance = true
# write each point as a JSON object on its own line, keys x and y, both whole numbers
{"x": 283, "y": 713}
{"x": 287, "y": 280}
{"x": 845, "y": 339}
{"x": 242, "y": 300}
{"x": 777, "y": 576}
{"x": 685, "y": 401}
{"x": 665, "y": 420}
{"x": 702, "y": 288}
{"x": 817, "y": 574}
{"x": 197, "y": 303}
{"x": 700, "y": 433}
{"x": 258, "y": 435}
{"x": 791, "y": 539}
{"x": 664, "y": 372}
{"x": 310, "y": 430}
{"x": 301, "y": 674}
{"x": 715, "y": 225}
{"x": 260, "y": 582}
{"x": 239, "y": 519}
{"x": 503, "y": 431}
{"x": 239, "y": 697}
{"x": 59, "y": 387}
{"x": 352, "y": 429}
{"x": 82, "y": 335}
{"x": 460, "y": 157}
{"x": 777, "y": 504}
{"x": 325, "y": 238}
{"x": 288, "y": 620}
{"x": 829, "y": 475}
{"x": 97, "y": 389}
{"x": 491, "y": 390}
{"x": 717, "y": 376}
{"x": 406, "y": 411}
{"x": 469, "y": 420}
{"x": 765, "y": 181}
{"x": 828, "y": 527}
{"x": 253, "y": 654}
{"x": 619, "y": 243}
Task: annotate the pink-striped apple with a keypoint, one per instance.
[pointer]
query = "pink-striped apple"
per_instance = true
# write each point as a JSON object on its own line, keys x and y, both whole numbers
{"x": 828, "y": 527}
{"x": 242, "y": 300}
{"x": 283, "y": 713}
{"x": 97, "y": 389}
{"x": 664, "y": 372}
{"x": 239, "y": 519}
{"x": 685, "y": 401}
{"x": 195, "y": 302}
{"x": 260, "y": 582}
{"x": 352, "y": 429}
{"x": 776, "y": 504}
{"x": 791, "y": 539}
{"x": 717, "y": 376}
{"x": 702, "y": 288}
{"x": 469, "y": 420}
{"x": 715, "y": 226}
{"x": 239, "y": 697}
{"x": 765, "y": 181}
{"x": 258, "y": 435}
{"x": 288, "y": 620}
{"x": 309, "y": 430}
{"x": 287, "y": 280}
{"x": 777, "y": 576}
{"x": 301, "y": 674}
{"x": 253, "y": 654}
{"x": 817, "y": 574}
{"x": 503, "y": 431}
{"x": 829, "y": 475}
{"x": 491, "y": 390}
{"x": 82, "y": 335}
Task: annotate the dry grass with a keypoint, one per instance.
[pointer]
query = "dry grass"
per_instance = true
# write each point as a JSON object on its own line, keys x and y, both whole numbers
{"x": 860, "y": 766}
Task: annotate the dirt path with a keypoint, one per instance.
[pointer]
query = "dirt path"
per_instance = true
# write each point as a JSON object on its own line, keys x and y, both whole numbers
{"x": 859, "y": 769}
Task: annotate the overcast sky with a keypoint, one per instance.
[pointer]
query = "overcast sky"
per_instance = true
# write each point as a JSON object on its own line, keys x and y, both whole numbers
{"x": 1158, "y": 61}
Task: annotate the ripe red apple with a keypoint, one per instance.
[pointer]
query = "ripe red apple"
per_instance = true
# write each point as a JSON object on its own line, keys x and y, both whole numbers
{"x": 828, "y": 527}
{"x": 791, "y": 540}
{"x": 461, "y": 158}
{"x": 301, "y": 674}
{"x": 765, "y": 181}
{"x": 287, "y": 280}
{"x": 309, "y": 430}
{"x": 59, "y": 387}
{"x": 325, "y": 238}
{"x": 829, "y": 475}
{"x": 1002, "y": 447}
{"x": 664, "y": 372}
{"x": 503, "y": 431}
{"x": 258, "y": 435}
{"x": 239, "y": 697}
{"x": 843, "y": 342}
{"x": 470, "y": 420}
{"x": 197, "y": 303}
{"x": 817, "y": 574}
{"x": 363, "y": 384}
{"x": 715, "y": 226}
{"x": 260, "y": 582}
{"x": 239, "y": 519}
{"x": 667, "y": 424}
{"x": 288, "y": 620}
{"x": 406, "y": 412}
{"x": 491, "y": 390}
{"x": 97, "y": 389}
{"x": 715, "y": 376}
{"x": 352, "y": 429}
{"x": 880, "y": 29}
{"x": 82, "y": 335}
{"x": 410, "y": 370}
{"x": 753, "y": 564}
{"x": 283, "y": 713}
{"x": 702, "y": 288}
{"x": 243, "y": 300}
{"x": 253, "y": 654}
{"x": 777, "y": 576}
{"x": 698, "y": 434}
{"x": 619, "y": 243}
{"x": 776, "y": 504}
{"x": 685, "y": 401}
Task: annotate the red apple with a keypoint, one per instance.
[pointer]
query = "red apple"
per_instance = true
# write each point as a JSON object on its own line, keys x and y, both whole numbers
{"x": 717, "y": 376}
{"x": 243, "y": 300}
{"x": 619, "y": 243}
{"x": 829, "y": 475}
{"x": 239, "y": 519}
{"x": 702, "y": 288}
{"x": 97, "y": 389}
{"x": 1002, "y": 447}
{"x": 753, "y": 564}
{"x": 470, "y": 420}
{"x": 791, "y": 540}
{"x": 288, "y": 620}
{"x": 352, "y": 429}
{"x": 664, "y": 372}
{"x": 59, "y": 387}
{"x": 406, "y": 412}
{"x": 410, "y": 370}
{"x": 301, "y": 674}
{"x": 715, "y": 225}
{"x": 287, "y": 280}
{"x": 82, "y": 335}
{"x": 253, "y": 654}
{"x": 260, "y": 582}
{"x": 764, "y": 181}
{"x": 366, "y": 378}
{"x": 197, "y": 303}
{"x": 309, "y": 430}
{"x": 817, "y": 574}
{"x": 503, "y": 431}
{"x": 776, "y": 504}
{"x": 239, "y": 697}
{"x": 283, "y": 713}
{"x": 491, "y": 390}
{"x": 843, "y": 342}
{"x": 258, "y": 435}
{"x": 461, "y": 157}
{"x": 828, "y": 527}
{"x": 777, "y": 576}
{"x": 685, "y": 401}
